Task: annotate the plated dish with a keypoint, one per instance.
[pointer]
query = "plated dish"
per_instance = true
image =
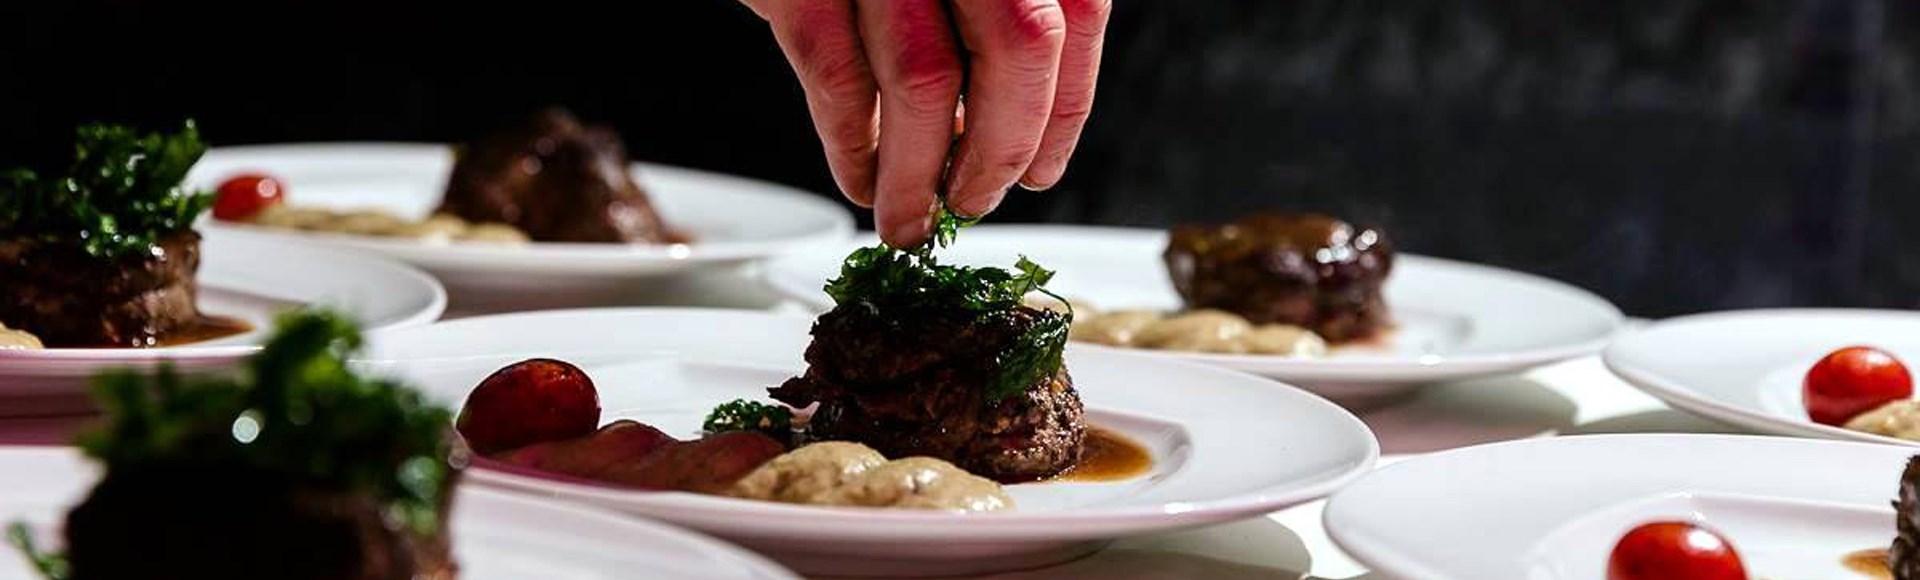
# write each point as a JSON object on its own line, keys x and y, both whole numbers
{"x": 670, "y": 369}
{"x": 546, "y": 206}
{"x": 102, "y": 267}
{"x": 1401, "y": 321}
{"x": 1575, "y": 507}
{"x": 1814, "y": 373}
{"x": 348, "y": 476}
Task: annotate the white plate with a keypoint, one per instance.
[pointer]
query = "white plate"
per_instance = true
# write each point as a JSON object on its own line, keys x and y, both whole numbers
{"x": 495, "y": 535}
{"x": 251, "y": 280}
{"x": 733, "y": 220}
{"x": 1551, "y": 509}
{"x": 1225, "y": 445}
{"x": 1455, "y": 320}
{"x": 1745, "y": 367}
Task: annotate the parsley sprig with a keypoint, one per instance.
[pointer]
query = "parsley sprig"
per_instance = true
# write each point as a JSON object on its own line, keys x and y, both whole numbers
{"x": 296, "y": 410}
{"x": 743, "y": 415}
{"x": 894, "y": 280}
{"x": 121, "y": 194}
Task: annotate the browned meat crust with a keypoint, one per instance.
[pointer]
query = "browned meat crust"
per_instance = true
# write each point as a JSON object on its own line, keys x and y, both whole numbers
{"x": 70, "y": 299}
{"x": 1310, "y": 271}
{"x": 556, "y": 180}
{"x": 917, "y": 385}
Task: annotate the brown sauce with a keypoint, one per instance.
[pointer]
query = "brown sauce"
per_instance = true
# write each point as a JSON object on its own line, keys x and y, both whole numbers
{"x": 202, "y": 329}
{"x": 1108, "y": 456}
{"x": 1871, "y": 563}
{"x": 205, "y": 328}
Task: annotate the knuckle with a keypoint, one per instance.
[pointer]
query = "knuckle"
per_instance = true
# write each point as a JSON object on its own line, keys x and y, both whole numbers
{"x": 1037, "y": 24}
{"x": 1087, "y": 11}
{"x": 929, "y": 89}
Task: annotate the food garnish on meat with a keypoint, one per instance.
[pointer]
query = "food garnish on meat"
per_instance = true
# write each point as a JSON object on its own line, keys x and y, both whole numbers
{"x": 104, "y": 255}
{"x": 920, "y": 358}
{"x": 1310, "y": 271}
{"x": 775, "y": 421}
{"x": 557, "y": 181}
{"x": 295, "y": 468}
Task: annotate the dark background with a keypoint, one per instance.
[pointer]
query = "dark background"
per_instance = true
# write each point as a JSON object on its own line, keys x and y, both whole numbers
{"x": 1673, "y": 155}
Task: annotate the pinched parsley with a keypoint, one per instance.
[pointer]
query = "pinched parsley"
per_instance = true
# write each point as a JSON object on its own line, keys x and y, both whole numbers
{"x": 744, "y": 415}
{"x": 892, "y": 280}
{"x": 295, "y": 410}
{"x": 121, "y": 194}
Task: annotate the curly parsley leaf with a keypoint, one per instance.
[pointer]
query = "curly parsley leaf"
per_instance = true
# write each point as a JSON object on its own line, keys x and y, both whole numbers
{"x": 51, "y": 565}
{"x": 121, "y": 194}
{"x": 907, "y": 280}
{"x": 296, "y": 410}
{"x": 744, "y": 415}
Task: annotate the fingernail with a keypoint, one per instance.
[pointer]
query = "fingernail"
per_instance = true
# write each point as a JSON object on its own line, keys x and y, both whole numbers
{"x": 909, "y": 233}
{"x": 979, "y": 203}
{"x": 1031, "y": 186}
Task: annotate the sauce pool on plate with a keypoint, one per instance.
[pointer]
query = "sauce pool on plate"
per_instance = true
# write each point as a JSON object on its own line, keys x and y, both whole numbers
{"x": 1871, "y": 563}
{"x": 1109, "y": 456}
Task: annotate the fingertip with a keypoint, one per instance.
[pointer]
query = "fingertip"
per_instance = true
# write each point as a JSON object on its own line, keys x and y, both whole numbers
{"x": 978, "y": 203}
{"x": 907, "y": 232}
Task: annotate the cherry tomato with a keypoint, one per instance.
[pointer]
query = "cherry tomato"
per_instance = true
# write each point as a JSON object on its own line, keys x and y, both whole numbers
{"x": 1674, "y": 551}
{"x": 243, "y": 196}
{"x": 1851, "y": 381}
{"x": 531, "y": 401}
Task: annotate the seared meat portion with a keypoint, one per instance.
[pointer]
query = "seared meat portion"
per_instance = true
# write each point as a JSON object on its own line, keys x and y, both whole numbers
{"x": 71, "y": 299}
{"x": 1310, "y": 271}
{"x": 555, "y": 180}
{"x": 181, "y": 521}
{"x": 1904, "y": 556}
{"x": 917, "y": 383}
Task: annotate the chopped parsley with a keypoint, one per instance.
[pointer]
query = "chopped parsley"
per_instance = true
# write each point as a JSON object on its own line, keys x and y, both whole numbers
{"x": 892, "y": 280}
{"x": 744, "y": 415}
{"x": 296, "y": 410}
{"x": 121, "y": 194}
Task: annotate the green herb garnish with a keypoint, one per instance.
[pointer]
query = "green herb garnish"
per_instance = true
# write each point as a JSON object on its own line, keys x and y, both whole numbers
{"x": 744, "y": 415}
{"x": 892, "y": 280}
{"x": 121, "y": 194}
{"x": 52, "y": 566}
{"x": 296, "y": 411}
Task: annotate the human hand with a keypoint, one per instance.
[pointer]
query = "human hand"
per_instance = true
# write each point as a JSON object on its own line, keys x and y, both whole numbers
{"x": 883, "y": 80}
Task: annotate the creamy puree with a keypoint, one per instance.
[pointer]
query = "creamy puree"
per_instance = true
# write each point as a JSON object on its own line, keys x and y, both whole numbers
{"x": 1896, "y": 419}
{"x": 12, "y": 339}
{"x": 436, "y": 228}
{"x": 850, "y": 474}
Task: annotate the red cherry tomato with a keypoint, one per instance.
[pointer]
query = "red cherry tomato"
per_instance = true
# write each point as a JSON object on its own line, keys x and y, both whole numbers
{"x": 528, "y": 402}
{"x": 1674, "y": 551}
{"x": 1851, "y": 381}
{"x": 243, "y": 196}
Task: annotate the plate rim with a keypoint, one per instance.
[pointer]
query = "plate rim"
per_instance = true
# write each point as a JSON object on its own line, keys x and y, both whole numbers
{"x": 1686, "y": 398}
{"x": 1012, "y": 526}
{"x": 192, "y": 353}
{"x": 1381, "y": 558}
{"x": 1318, "y": 368}
{"x": 759, "y": 566}
{"x": 692, "y": 254}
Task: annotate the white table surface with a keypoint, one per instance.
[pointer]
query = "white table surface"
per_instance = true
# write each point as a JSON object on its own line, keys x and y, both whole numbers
{"x": 1574, "y": 397}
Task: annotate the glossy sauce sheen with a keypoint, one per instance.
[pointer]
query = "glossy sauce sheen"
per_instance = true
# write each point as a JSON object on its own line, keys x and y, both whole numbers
{"x": 1872, "y": 563}
{"x": 1108, "y": 456}
{"x": 203, "y": 329}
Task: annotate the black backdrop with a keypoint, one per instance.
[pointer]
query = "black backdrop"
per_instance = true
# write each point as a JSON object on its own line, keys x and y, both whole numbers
{"x": 1674, "y": 155}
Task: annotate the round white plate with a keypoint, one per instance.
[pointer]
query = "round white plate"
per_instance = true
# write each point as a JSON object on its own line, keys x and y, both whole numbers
{"x": 733, "y": 220}
{"x": 495, "y": 534}
{"x": 1552, "y": 509}
{"x": 247, "y": 279}
{"x": 1225, "y": 445}
{"x": 1745, "y": 367}
{"x": 1455, "y": 320}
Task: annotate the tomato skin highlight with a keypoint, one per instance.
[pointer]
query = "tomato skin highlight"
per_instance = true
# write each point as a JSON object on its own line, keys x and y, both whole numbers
{"x": 1674, "y": 551}
{"x": 243, "y": 196}
{"x": 1851, "y": 381}
{"x": 529, "y": 402}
